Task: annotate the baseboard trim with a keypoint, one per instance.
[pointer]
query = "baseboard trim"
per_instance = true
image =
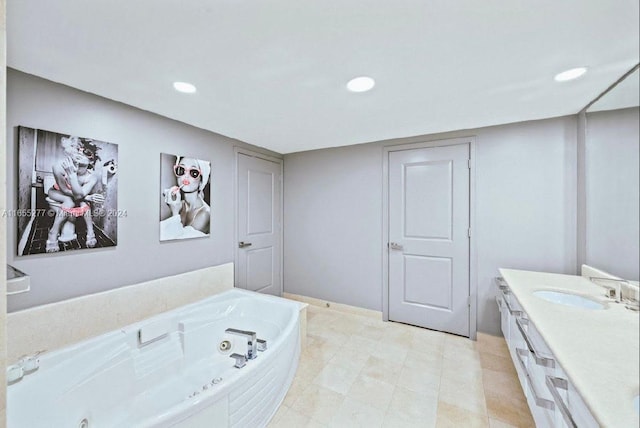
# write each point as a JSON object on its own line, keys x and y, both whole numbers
{"x": 340, "y": 307}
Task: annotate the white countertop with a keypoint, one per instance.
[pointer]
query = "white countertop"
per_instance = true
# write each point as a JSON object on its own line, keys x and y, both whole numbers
{"x": 599, "y": 350}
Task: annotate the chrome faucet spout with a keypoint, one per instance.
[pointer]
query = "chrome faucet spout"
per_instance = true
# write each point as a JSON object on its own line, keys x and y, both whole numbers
{"x": 252, "y": 343}
{"x": 613, "y": 292}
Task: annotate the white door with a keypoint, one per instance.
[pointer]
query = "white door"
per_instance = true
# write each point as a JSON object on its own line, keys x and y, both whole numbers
{"x": 258, "y": 252}
{"x": 429, "y": 237}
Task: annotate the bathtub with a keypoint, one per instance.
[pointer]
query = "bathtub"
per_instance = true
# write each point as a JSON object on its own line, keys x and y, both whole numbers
{"x": 172, "y": 370}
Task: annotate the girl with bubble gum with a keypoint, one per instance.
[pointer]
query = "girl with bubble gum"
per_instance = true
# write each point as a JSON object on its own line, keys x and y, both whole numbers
{"x": 190, "y": 214}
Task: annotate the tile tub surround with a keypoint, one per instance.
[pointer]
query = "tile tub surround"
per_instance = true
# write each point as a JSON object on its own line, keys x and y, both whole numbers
{"x": 360, "y": 371}
{"x": 599, "y": 350}
{"x": 56, "y": 325}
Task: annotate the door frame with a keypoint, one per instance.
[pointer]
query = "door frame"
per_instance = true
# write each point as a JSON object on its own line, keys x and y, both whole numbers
{"x": 473, "y": 262}
{"x": 237, "y": 151}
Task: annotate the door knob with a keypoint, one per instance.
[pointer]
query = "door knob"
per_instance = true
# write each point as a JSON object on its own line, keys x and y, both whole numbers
{"x": 395, "y": 246}
{"x": 243, "y": 244}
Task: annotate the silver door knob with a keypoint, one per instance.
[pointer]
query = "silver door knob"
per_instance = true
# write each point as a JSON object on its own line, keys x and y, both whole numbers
{"x": 243, "y": 244}
{"x": 395, "y": 246}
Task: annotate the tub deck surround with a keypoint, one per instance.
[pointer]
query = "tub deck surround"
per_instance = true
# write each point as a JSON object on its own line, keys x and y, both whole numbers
{"x": 599, "y": 350}
{"x": 56, "y": 325}
{"x": 178, "y": 374}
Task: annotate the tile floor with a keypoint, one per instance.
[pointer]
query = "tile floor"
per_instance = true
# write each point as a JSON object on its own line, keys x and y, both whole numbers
{"x": 358, "y": 371}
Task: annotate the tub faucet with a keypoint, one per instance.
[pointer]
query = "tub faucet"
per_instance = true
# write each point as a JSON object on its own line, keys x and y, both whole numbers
{"x": 252, "y": 344}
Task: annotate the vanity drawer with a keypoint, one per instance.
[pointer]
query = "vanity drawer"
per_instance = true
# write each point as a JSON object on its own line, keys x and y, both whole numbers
{"x": 571, "y": 409}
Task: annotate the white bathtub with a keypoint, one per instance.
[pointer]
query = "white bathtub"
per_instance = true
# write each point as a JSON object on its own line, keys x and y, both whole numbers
{"x": 181, "y": 379}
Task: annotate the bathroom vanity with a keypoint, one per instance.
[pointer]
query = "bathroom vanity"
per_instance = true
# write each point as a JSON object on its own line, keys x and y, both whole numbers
{"x": 576, "y": 351}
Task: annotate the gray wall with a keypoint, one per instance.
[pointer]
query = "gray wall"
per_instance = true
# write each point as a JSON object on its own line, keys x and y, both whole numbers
{"x": 612, "y": 191}
{"x": 525, "y": 213}
{"x": 141, "y": 137}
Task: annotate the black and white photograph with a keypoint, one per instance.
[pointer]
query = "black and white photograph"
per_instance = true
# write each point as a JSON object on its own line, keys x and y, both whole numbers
{"x": 185, "y": 207}
{"x": 67, "y": 192}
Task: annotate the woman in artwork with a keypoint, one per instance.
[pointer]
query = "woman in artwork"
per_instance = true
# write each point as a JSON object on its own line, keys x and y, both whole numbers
{"x": 190, "y": 214}
{"x": 75, "y": 177}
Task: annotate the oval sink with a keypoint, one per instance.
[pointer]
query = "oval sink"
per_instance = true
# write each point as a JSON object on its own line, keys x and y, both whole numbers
{"x": 568, "y": 299}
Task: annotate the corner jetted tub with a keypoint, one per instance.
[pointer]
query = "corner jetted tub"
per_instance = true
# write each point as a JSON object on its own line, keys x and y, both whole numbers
{"x": 172, "y": 370}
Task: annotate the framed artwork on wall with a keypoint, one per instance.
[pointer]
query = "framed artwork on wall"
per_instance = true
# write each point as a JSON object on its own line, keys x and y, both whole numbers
{"x": 67, "y": 192}
{"x": 185, "y": 197}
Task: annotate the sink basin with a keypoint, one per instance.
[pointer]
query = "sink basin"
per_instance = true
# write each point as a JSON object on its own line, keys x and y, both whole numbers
{"x": 568, "y": 299}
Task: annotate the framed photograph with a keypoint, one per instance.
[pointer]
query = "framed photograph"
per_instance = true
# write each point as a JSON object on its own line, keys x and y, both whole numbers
{"x": 185, "y": 206}
{"x": 67, "y": 192}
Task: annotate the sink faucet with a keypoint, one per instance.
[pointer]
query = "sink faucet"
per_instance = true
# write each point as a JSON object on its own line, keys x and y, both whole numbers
{"x": 613, "y": 292}
{"x": 252, "y": 344}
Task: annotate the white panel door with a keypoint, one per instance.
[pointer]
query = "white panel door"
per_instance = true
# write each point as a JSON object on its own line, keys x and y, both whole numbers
{"x": 429, "y": 238}
{"x": 259, "y": 225}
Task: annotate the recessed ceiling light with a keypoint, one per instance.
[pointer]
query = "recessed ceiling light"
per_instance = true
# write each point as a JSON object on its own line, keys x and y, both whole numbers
{"x": 574, "y": 73}
{"x": 361, "y": 84}
{"x": 185, "y": 87}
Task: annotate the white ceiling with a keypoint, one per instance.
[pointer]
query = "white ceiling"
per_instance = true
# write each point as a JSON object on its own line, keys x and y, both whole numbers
{"x": 624, "y": 95}
{"x": 273, "y": 72}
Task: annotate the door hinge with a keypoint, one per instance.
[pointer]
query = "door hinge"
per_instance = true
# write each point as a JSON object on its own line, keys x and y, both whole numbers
{"x": 469, "y": 163}
{"x": 469, "y": 301}
{"x": 469, "y": 232}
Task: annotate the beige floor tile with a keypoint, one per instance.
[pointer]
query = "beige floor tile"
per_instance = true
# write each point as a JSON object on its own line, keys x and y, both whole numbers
{"x": 502, "y": 363}
{"x": 510, "y": 410}
{"x": 324, "y": 351}
{"x": 362, "y": 344}
{"x": 314, "y": 339}
{"x": 495, "y": 423}
{"x": 505, "y": 399}
{"x": 279, "y": 413}
{"x": 391, "y": 351}
{"x": 450, "y": 416}
{"x": 410, "y": 409}
{"x": 349, "y": 324}
{"x": 321, "y": 318}
{"x": 336, "y": 377}
{"x": 453, "y": 363}
{"x": 419, "y": 359}
{"x": 502, "y": 383}
{"x": 309, "y": 366}
{"x": 397, "y": 337}
{"x": 352, "y": 413}
{"x": 462, "y": 371}
{"x": 355, "y": 367}
{"x": 371, "y": 391}
{"x": 355, "y": 359}
{"x": 373, "y": 332}
{"x": 384, "y": 370}
{"x": 318, "y": 403}
{"x": 296, "y": 389}
{"x": 494, "y": 345}
{"x": 431, "y": 344}
{"x": 467, "y": 394}
{"x": 454, "y": 344}
{"x": 459, "y": 349}
{"x": 330, "y": 334}
{"x": 425, "y": 381}
{"x": 294, "y": 419}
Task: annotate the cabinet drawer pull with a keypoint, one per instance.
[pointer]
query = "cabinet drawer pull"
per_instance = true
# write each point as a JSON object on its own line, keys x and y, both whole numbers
{"x": 501, "y": 283}
{"x": 540, "y": 360}
{"x": 540, "y": 402}
{"x": 553, "y": 383}
{"x": 504, "y": 290}
{"x": 505, "y": 299}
